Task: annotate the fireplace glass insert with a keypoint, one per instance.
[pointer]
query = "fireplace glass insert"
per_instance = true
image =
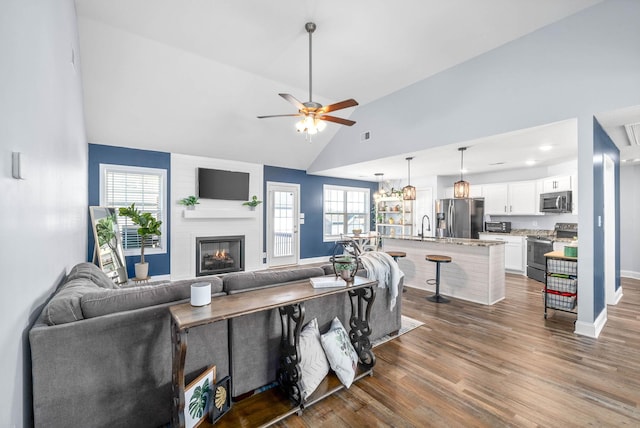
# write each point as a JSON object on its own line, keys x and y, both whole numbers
{"x": 219, "y": 254}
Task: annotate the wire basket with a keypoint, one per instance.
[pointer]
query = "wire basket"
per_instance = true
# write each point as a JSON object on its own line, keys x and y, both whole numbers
{"x": 560, "y": 300}
{"x": 566, "y": 267}
{"x": 562, "y": 283}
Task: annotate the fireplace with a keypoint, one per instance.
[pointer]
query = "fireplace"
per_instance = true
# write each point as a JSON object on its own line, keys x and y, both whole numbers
{"x": 219, "y": 254}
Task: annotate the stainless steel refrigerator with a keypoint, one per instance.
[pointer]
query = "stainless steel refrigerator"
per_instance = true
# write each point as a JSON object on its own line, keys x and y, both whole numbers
{"x": 463, "y": 217}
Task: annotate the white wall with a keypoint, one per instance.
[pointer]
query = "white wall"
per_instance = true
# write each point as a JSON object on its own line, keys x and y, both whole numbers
{"x": 629, "y": 225}
{"x": 217, "y": 218}
{"x": 44, "y": 217}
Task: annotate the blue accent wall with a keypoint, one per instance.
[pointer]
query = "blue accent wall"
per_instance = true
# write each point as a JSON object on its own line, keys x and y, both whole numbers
{"x": 603, "y": 145}
{"x": 159, "y": 264}
{"x": 311, "y": 195}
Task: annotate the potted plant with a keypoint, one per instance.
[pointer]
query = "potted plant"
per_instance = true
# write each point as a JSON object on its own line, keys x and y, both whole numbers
{"x": 345, "y": 267}
{"x": 190, "y": 202}
{"x": 148, "y": 226}
{"x": 253, "y": 203}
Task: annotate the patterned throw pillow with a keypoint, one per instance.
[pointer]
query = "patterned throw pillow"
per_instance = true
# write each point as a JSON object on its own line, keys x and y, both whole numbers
{"x": 313, "y": 362}
{"x": 340, "y": 353}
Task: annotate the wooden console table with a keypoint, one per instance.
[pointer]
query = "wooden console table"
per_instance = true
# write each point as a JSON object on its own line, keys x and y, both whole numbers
{"x": 289, "y": 299}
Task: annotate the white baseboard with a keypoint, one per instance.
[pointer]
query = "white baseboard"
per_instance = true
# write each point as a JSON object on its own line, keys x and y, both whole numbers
{"x": 617, "y": 297}
{"x": 630, "y": 274}
{"x": 592, "y": 329}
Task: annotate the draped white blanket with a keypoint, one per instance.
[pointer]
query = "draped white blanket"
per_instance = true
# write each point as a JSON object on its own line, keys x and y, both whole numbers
{"x": 380, "y": 266}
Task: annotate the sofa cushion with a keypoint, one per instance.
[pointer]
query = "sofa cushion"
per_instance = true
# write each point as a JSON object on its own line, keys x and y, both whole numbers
{"x": 65, "y": 305}
{"x": 103, "y": 302}
{"x": 246, "y": 281}
{"x": 93, "y": 273}
{"x": 343, "y": 359}
{"x": 313, "y": 362}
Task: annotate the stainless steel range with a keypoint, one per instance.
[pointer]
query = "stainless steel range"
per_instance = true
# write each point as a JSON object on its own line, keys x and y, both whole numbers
{"x": 539, "y": 245}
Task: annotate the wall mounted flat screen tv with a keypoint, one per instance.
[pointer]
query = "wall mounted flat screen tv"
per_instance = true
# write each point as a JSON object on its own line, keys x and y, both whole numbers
{"x": 219, "y": 184}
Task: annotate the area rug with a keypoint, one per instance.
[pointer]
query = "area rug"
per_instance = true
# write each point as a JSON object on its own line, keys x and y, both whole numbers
{"x": 407, "y": 325}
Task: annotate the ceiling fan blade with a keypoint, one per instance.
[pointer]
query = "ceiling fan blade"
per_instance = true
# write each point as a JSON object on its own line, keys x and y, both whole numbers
{"x": 280, "y": 115}
{"x": 338, "y": 106}
{"x": 293, "y": 100}
{"x": 339, "y": 120}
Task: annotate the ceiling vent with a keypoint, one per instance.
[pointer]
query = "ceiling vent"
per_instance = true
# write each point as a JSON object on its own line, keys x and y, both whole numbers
{"x": 365, "y": 136}
{"x": 633, "y": 133}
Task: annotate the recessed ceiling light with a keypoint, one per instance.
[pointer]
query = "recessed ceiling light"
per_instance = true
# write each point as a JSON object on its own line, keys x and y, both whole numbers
{"x": 546, "y": 148}
{"x": 530, "y": 162}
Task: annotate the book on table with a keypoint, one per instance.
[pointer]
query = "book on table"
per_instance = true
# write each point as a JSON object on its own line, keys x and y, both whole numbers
{"x": 327, "y": 282}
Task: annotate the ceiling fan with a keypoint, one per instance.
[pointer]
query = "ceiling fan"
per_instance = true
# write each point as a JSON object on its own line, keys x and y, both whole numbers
{"x": 314, "y": 114}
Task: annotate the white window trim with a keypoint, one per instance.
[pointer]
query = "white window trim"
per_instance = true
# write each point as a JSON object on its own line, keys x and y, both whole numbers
{"x": 333, "y": 238}
{"x": 162, "y": 249}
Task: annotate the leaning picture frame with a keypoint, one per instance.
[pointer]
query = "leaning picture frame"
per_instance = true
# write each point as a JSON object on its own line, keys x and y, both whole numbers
{"x": 221, "y": 399}
{"x": 198, "y": 396}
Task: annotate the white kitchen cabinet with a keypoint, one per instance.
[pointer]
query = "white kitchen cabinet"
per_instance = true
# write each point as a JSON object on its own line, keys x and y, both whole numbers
{"x": 496, "y": 198}
{"x": 515, "y": 251}
{"x": 517, "y": 198}
{"x": 556, "y": 184}
{"x": 523, "y": 198}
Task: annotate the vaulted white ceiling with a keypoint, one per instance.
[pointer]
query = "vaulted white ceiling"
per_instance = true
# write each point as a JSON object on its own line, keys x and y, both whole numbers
{"x": 191, "y": 76}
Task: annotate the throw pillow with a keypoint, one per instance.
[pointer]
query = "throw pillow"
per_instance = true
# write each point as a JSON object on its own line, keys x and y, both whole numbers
{"x": 313, "y": 362}
{"x": 340, "y": 353}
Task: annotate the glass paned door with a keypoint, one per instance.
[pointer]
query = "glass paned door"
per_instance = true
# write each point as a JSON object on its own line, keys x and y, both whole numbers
{"x": 282, "y": 241}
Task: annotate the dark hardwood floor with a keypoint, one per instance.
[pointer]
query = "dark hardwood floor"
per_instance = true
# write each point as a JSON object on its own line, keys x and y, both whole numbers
{"x": 472, "y": 365}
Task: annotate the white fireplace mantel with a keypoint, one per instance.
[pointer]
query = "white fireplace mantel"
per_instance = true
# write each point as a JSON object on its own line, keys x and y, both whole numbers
{"x": 228, "y": 214}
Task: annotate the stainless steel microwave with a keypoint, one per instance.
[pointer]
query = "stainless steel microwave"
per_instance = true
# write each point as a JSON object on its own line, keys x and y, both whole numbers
{"x": 556, "y": 202}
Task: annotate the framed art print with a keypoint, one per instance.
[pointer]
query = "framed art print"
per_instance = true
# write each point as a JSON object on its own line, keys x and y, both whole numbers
{"x": 198, "y": 396}
{"x": 221, "y": 399}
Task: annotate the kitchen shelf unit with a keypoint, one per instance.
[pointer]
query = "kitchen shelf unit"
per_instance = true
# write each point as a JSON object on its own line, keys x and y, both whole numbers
{"x": 561, "y": 282}
{"x": 394, "y": 217}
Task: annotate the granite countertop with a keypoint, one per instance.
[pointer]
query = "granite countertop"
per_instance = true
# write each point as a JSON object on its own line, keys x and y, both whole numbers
{"x": 448, "y": 241}
{"x": 533, "y": 232}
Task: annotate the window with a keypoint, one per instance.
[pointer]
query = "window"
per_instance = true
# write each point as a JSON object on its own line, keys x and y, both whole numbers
{"x": 120, "y": 186}
{"x": 345, "y": 209}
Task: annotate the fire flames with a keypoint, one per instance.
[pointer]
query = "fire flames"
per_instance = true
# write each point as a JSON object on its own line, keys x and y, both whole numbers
{"x": 221, "y": 255}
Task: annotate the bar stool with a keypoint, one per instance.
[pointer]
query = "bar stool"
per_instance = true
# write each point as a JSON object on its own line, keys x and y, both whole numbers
{"x": 397, "y": 254}
{"x": 437, "y": 259}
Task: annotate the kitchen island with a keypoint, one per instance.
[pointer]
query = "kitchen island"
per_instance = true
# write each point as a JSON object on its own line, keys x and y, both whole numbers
{"x": 476, "y": 272}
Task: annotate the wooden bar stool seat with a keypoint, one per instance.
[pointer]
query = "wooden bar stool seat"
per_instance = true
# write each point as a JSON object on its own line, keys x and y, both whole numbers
{"x": 397, "y": 254}
{"x": 437, "y": 259}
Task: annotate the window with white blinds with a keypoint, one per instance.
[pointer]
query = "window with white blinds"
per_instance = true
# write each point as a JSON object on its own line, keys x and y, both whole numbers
{"x": 345, "y": 209}
{"x": 120, "y": 186}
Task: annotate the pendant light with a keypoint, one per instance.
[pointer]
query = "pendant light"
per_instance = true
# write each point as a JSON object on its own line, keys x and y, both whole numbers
{"x": 380, "y": 192}
{"x": 408, "y": 191}
{"x": 461, "y": 188}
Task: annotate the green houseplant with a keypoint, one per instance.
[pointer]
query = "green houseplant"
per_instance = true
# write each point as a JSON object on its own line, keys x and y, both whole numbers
{"x": 190, "y": 202}
{"x": 253, "y": 203}
{"x": 149, "y": 226}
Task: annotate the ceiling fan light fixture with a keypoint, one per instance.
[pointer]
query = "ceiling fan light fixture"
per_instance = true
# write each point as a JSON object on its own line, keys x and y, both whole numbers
{"x": 310, "y": 125}
{"x": 461, "y": 188}
{"x": 314, "y": 115}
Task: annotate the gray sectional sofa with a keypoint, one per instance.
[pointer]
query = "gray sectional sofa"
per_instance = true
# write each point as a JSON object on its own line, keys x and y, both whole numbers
{"x": 101, "y": 355}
